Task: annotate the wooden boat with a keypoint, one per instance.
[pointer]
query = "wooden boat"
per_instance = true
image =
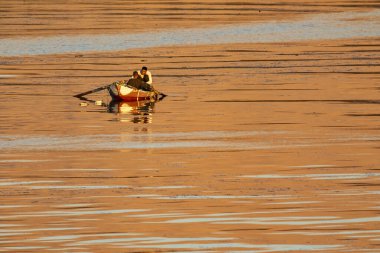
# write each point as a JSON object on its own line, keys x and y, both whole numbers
{"x": 121, "y": 91}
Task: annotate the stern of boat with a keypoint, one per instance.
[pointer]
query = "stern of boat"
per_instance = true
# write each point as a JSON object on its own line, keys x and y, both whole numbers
{"x": 113, "y": 91}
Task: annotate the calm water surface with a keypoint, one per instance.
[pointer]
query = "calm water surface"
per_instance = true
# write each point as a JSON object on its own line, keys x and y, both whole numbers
{"x": 283, "y": 158}
{"x": 322, "y": 26}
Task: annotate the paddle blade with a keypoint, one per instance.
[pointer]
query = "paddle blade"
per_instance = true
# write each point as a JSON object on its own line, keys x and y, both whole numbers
{"x": 91, "y": 91}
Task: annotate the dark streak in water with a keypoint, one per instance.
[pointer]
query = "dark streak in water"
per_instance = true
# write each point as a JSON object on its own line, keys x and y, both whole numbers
{"x": 363, "y": 184}
{"x": 363, "y": 115}
{"x": 358, "y": 45}
{"x": 246, "y": 229}
{"x": 264, "y": 89}
{"x": 278, "y": 123}
{"x": 358, "y": 101}
{"x": 284, "y": 67}
{"x": 104, "y": 177}
{"x": 339, "y": 126}
{"x": 331, "y": 72}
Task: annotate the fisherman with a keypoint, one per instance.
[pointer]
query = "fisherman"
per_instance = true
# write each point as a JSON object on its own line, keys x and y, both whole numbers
{"x": 139, "y": 84}
{"x": 145, "y": 75}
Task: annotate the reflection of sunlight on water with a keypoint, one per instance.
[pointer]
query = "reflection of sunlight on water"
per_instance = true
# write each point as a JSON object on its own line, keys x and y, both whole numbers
{"x": 142, "y": 141}
{"x": 11, "y": 206}
{"x": 297, "y": 221}
{"x": 149, "y": 243}
{"x": 318, "y": 176}
{"x": 23, "y": 161}
{"x": 82, "y": 187}
{"x": 74, "y": 213}
{"x": 189, "y": 197}
{"x": 318, "y": 27}
{"x": 147, "y": 240}
{"x": 177, "y": 187}
{"x": 192, "y": 243}
{"x": 324, "y": 233}
{"x": 71, "y": 237}
{"x": 137, "y": 119}
{"x": 287, "y": 220}
{"x": 139, "y": 112}
{"x": 97, "y": 187}
{"x": 25, "y": 247}
{"x": 13, "y": 183}
{"x": 7, "y": 76}
{"x": 150, "y": 141}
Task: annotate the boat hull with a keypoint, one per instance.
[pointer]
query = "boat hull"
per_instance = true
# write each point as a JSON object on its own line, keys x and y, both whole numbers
{"x": 128, "y": 93}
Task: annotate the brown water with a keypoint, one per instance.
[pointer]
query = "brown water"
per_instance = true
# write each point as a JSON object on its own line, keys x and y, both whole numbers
{"x": 270, "y": 147}
{"x": 40, "y": 18}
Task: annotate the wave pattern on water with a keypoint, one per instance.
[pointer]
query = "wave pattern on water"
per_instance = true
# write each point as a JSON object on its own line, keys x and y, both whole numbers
{"x": 294, "y": 166}
{"x": 215, "y": 139}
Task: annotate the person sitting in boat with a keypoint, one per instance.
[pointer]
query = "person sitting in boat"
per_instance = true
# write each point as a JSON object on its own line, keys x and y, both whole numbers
{"x": 145, "y": 75}
{"x": 139, "y": 84}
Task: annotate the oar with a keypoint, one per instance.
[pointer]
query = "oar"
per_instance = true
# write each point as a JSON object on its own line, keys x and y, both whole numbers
{"x": 162, "y": 94}
{"x": 159, "y": 93}
{"x": 92, "y": 91}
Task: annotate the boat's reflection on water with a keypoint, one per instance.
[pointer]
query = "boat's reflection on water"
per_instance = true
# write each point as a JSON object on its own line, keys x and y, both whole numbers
{"x": 127, "y": 111}
{"x": 135, "y": 111}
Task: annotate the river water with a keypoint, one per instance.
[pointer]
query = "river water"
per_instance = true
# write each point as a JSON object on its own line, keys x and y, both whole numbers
{"x": 258, "y": 147}
{"x": 322, "y": 26}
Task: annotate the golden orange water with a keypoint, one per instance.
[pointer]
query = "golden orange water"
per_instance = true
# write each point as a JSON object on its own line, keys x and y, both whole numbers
{"x": 270, "y": 147}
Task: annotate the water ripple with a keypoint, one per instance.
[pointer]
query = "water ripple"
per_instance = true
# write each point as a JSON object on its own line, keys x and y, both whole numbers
{"x": 318, "y": 27}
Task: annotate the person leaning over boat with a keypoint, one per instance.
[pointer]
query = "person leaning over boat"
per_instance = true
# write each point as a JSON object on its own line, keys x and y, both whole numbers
{"x": 145, "y": 75}
{"x": 139, "y": 84}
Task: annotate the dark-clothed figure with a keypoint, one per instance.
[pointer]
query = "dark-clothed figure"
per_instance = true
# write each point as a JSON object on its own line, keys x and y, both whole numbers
{"x": 136, "y": 82}
{"x": 145, "y": 75}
